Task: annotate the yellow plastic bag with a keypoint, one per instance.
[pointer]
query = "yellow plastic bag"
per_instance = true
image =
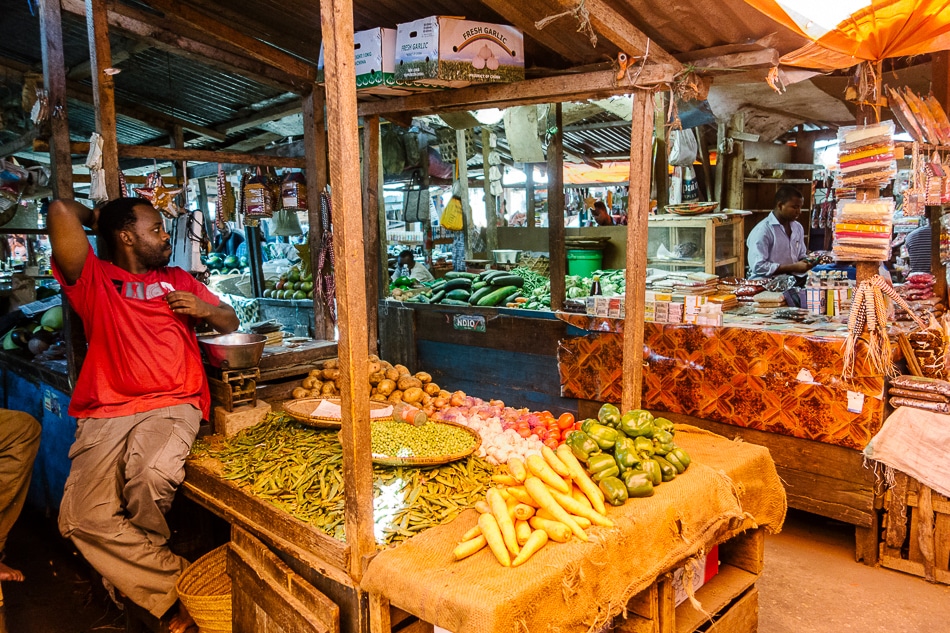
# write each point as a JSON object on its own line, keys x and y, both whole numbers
{"x": 452, "y": 218}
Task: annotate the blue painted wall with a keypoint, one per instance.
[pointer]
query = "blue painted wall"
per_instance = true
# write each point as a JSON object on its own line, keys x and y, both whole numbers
{"x": 48, "y": 405}
{"x": 521, "y": 380}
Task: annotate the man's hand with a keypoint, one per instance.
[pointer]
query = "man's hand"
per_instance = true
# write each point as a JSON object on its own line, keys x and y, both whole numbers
{"x": 185, "y": 303}
{"x": 798, "y": 268}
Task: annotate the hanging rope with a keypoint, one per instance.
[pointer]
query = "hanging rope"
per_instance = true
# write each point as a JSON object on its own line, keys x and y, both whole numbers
{"x": 323, "y": 277}
{"x": 580, "y": 13}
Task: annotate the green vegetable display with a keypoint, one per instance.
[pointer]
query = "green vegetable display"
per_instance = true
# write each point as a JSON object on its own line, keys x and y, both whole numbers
{"x": 300, "y": 470}
{"x": 636, "y": 456}
{"x": 398, "y": 439}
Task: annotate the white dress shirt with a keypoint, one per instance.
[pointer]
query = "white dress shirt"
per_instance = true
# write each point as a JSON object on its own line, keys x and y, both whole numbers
{"x": 769, "y": 247}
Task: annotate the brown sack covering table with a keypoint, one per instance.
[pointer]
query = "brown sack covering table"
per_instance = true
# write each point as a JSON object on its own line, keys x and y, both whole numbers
{"x": 731, "y": 486}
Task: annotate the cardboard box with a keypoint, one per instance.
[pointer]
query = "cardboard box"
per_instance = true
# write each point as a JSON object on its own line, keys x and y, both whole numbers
{"x": 453, "y": 52}
{"x": 374, "y": 54}
{"x": 703, "y": 570}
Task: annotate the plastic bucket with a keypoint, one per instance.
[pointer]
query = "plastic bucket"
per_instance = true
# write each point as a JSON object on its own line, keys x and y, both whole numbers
{"x": 585, "y": 262}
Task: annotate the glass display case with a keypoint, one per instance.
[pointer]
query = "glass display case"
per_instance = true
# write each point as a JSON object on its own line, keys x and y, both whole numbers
{"x": 712, "y": 243}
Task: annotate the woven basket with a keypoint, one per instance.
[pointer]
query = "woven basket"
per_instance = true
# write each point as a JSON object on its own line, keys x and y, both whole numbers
{"x": 423, "y": 462}
{"x": 205, "y": 590}
{"x": 301, "y": 410}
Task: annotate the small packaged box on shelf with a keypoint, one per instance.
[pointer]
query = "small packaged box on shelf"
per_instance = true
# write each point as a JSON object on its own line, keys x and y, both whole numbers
{"x": 863, "y": 229}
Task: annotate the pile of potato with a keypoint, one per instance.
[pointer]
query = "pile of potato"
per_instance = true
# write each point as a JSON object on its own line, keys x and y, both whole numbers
{"x": 389, "y": 383}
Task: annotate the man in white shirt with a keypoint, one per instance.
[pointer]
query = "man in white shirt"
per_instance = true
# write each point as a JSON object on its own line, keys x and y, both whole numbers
{"x": 407, "y": 266}
{"x": 776, "y": 246}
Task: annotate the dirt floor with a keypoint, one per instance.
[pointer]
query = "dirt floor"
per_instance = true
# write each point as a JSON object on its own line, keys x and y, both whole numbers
{"x": 811, "y": 584}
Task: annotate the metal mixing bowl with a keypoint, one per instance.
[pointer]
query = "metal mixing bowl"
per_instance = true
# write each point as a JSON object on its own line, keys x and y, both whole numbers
{"x": 506, "y": 256}
{"x": 233, "y": 351}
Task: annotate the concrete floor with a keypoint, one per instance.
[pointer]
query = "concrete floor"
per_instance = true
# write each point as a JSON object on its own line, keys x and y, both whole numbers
{"x": 811, "y": 584}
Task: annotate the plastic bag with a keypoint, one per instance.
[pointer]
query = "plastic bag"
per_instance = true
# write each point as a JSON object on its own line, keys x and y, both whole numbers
{"x": 452, "y": 218}
{"x": 683, "y": 147}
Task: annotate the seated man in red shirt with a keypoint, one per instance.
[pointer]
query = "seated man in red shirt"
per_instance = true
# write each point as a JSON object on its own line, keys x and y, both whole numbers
{"x": 140, "y": 395}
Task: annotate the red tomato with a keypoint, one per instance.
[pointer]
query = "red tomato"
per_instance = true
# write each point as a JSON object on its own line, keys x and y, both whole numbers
{"x": 577, "y": 426}
{"x": 524, "y": 432}
{"x": 552, "y": 444}
{"x": 566, "y": 421}
{"x": 555, "y": 435}
{"x": 541, "y": 432}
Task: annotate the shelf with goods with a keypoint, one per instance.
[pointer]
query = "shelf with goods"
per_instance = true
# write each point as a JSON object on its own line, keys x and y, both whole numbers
{"x": 716, "y": 243}
{"x": 758, "y": 191}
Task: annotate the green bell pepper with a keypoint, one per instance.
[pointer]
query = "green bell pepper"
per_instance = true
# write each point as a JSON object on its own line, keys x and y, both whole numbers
{"x": 638, "y": 484}
{"x": 681, "y": 455}
{"x": 674, "y": 460}
{"x": 585, "y": 425}
{"x": 663, "y": 442}
{"x": 402, "y": 282}
{"x": 637, "y": 423}
{"x": 609, "y": 415}
{"x": 602, "y": 465}
{"x": 652, "y": 469}
{"x": 663, "y": 424}
{"x": 581, "y": 445}
{"x": 666, "y": 469}
{"x": 625, "y": 452}
{"x": 615, "y": 492}
{"x": 644, "y": 446}
{"x": 605, "y": 436}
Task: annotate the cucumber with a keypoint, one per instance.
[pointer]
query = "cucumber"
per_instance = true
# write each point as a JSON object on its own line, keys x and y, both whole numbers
{"x": 458, "y": 294}
{"x": 456, "y": 284}
{"x": 438, "y": 296}
{"x": 496, "y": 295}
{"x": 478, "y": 285}
{"x": 453, "y": 302}
{"x": 488, "y": 274}
{"x": 458, "y": 274}
{"x": 478, "y": 294}
{"x": 507, "y": 280}
{"x": 514, "y": 295}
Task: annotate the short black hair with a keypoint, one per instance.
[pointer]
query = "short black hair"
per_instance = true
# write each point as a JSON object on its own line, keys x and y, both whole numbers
{"x": 407, "y": 253}
{"x": 786, "y": 193}
{"x": 117, "y": 215}
{"x": 599, "y": 204}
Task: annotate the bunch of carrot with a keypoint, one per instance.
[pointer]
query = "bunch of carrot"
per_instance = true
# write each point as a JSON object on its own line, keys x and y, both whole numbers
{"x": 546, "y": 497}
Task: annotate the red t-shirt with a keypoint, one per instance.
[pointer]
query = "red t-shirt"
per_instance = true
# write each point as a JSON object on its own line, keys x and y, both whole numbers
{"x": 141, "y": 355}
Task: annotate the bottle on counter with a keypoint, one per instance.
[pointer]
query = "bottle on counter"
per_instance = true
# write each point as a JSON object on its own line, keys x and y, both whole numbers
{"x": 404, "y": 412}
{"x": 595, "y": 290}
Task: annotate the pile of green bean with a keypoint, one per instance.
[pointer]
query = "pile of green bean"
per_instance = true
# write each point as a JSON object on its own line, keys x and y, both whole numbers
{"x": 532, "y": 280}
{"x": 398, "y": 439}
{"x": 300, "y": 470}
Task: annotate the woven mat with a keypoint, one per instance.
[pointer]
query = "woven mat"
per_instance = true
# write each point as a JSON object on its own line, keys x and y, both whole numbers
{"x": 576, "y": 586}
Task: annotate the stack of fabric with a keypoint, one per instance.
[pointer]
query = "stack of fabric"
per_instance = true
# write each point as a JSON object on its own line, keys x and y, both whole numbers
{"x": 866, "y": 155}
{"x": 930, "y": 394}
{"x": 863, "y": 230}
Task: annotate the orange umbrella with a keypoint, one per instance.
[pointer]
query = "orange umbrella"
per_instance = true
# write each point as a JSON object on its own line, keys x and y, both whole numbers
{"x": 880, "y": 29}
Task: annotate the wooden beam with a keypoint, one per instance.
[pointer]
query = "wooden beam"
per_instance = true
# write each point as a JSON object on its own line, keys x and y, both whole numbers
{"x": 765, "y": 58}
{"x": 103, "y": 91}
{"x": 556, "y": 255}
{"x": 570, "y": 87}
{"x": 250, "y": 47}
{"x": 372, "y": 185}
{"x": 174, "y": 38}
{"x": 195, "y": 155}
{"x": 620, "y": 31}
{"x": 733, "y": 180}
{"x": 82, "y": 70}
{"x": 514, "y": 13}
{"x": 336, "y": 20}
{"x": 258, "y": 118}
{"x": 491, "y": 214}
{"x": 20, "y": 143}
{"x": 641, "y": 145}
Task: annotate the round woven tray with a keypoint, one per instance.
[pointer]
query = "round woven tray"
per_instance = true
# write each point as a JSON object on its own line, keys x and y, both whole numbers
{"x": 205, "y": 590}
{"x": 302, "y": 409}
{"x": 384, "y": 460}
{"x": 692, "y": 208}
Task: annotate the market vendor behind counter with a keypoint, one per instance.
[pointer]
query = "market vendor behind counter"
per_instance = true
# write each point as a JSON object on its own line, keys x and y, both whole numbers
{"x": 776, "y": 246}
{"x": 408, "y": 267}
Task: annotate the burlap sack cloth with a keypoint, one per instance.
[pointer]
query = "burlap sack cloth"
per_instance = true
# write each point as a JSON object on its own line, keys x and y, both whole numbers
{"x": 576, "y": 587}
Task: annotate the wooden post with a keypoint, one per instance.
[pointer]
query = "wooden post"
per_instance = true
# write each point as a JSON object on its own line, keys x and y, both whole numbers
{"x": 733, "y": 166}
{"x": 315, "y": 147}
{"x": 491, "y": 214}
{"x": 720, "y": 161}
{"x": 940, "y": 72}
{"x": 336, "y": 20}
{"x": 556, "y": 208}
{"x": 529, "y": 195}
{"x": 103, "y": 90}
{"x": 427, "y": 235}
{"x": 641, "y": 137}
{"x": 180, "y": 168}
{"x": 661, "y": 168}
{"x": 372, "y": 188}
{"x": 937, "y": 267}
{"x": 54, "y": 80}
{"x": 704, "y": 156}
{"x": 462, "y": 154}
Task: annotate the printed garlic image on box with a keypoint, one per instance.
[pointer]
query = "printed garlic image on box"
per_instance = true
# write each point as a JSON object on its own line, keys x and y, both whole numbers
{"x": 454, "y": 52}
